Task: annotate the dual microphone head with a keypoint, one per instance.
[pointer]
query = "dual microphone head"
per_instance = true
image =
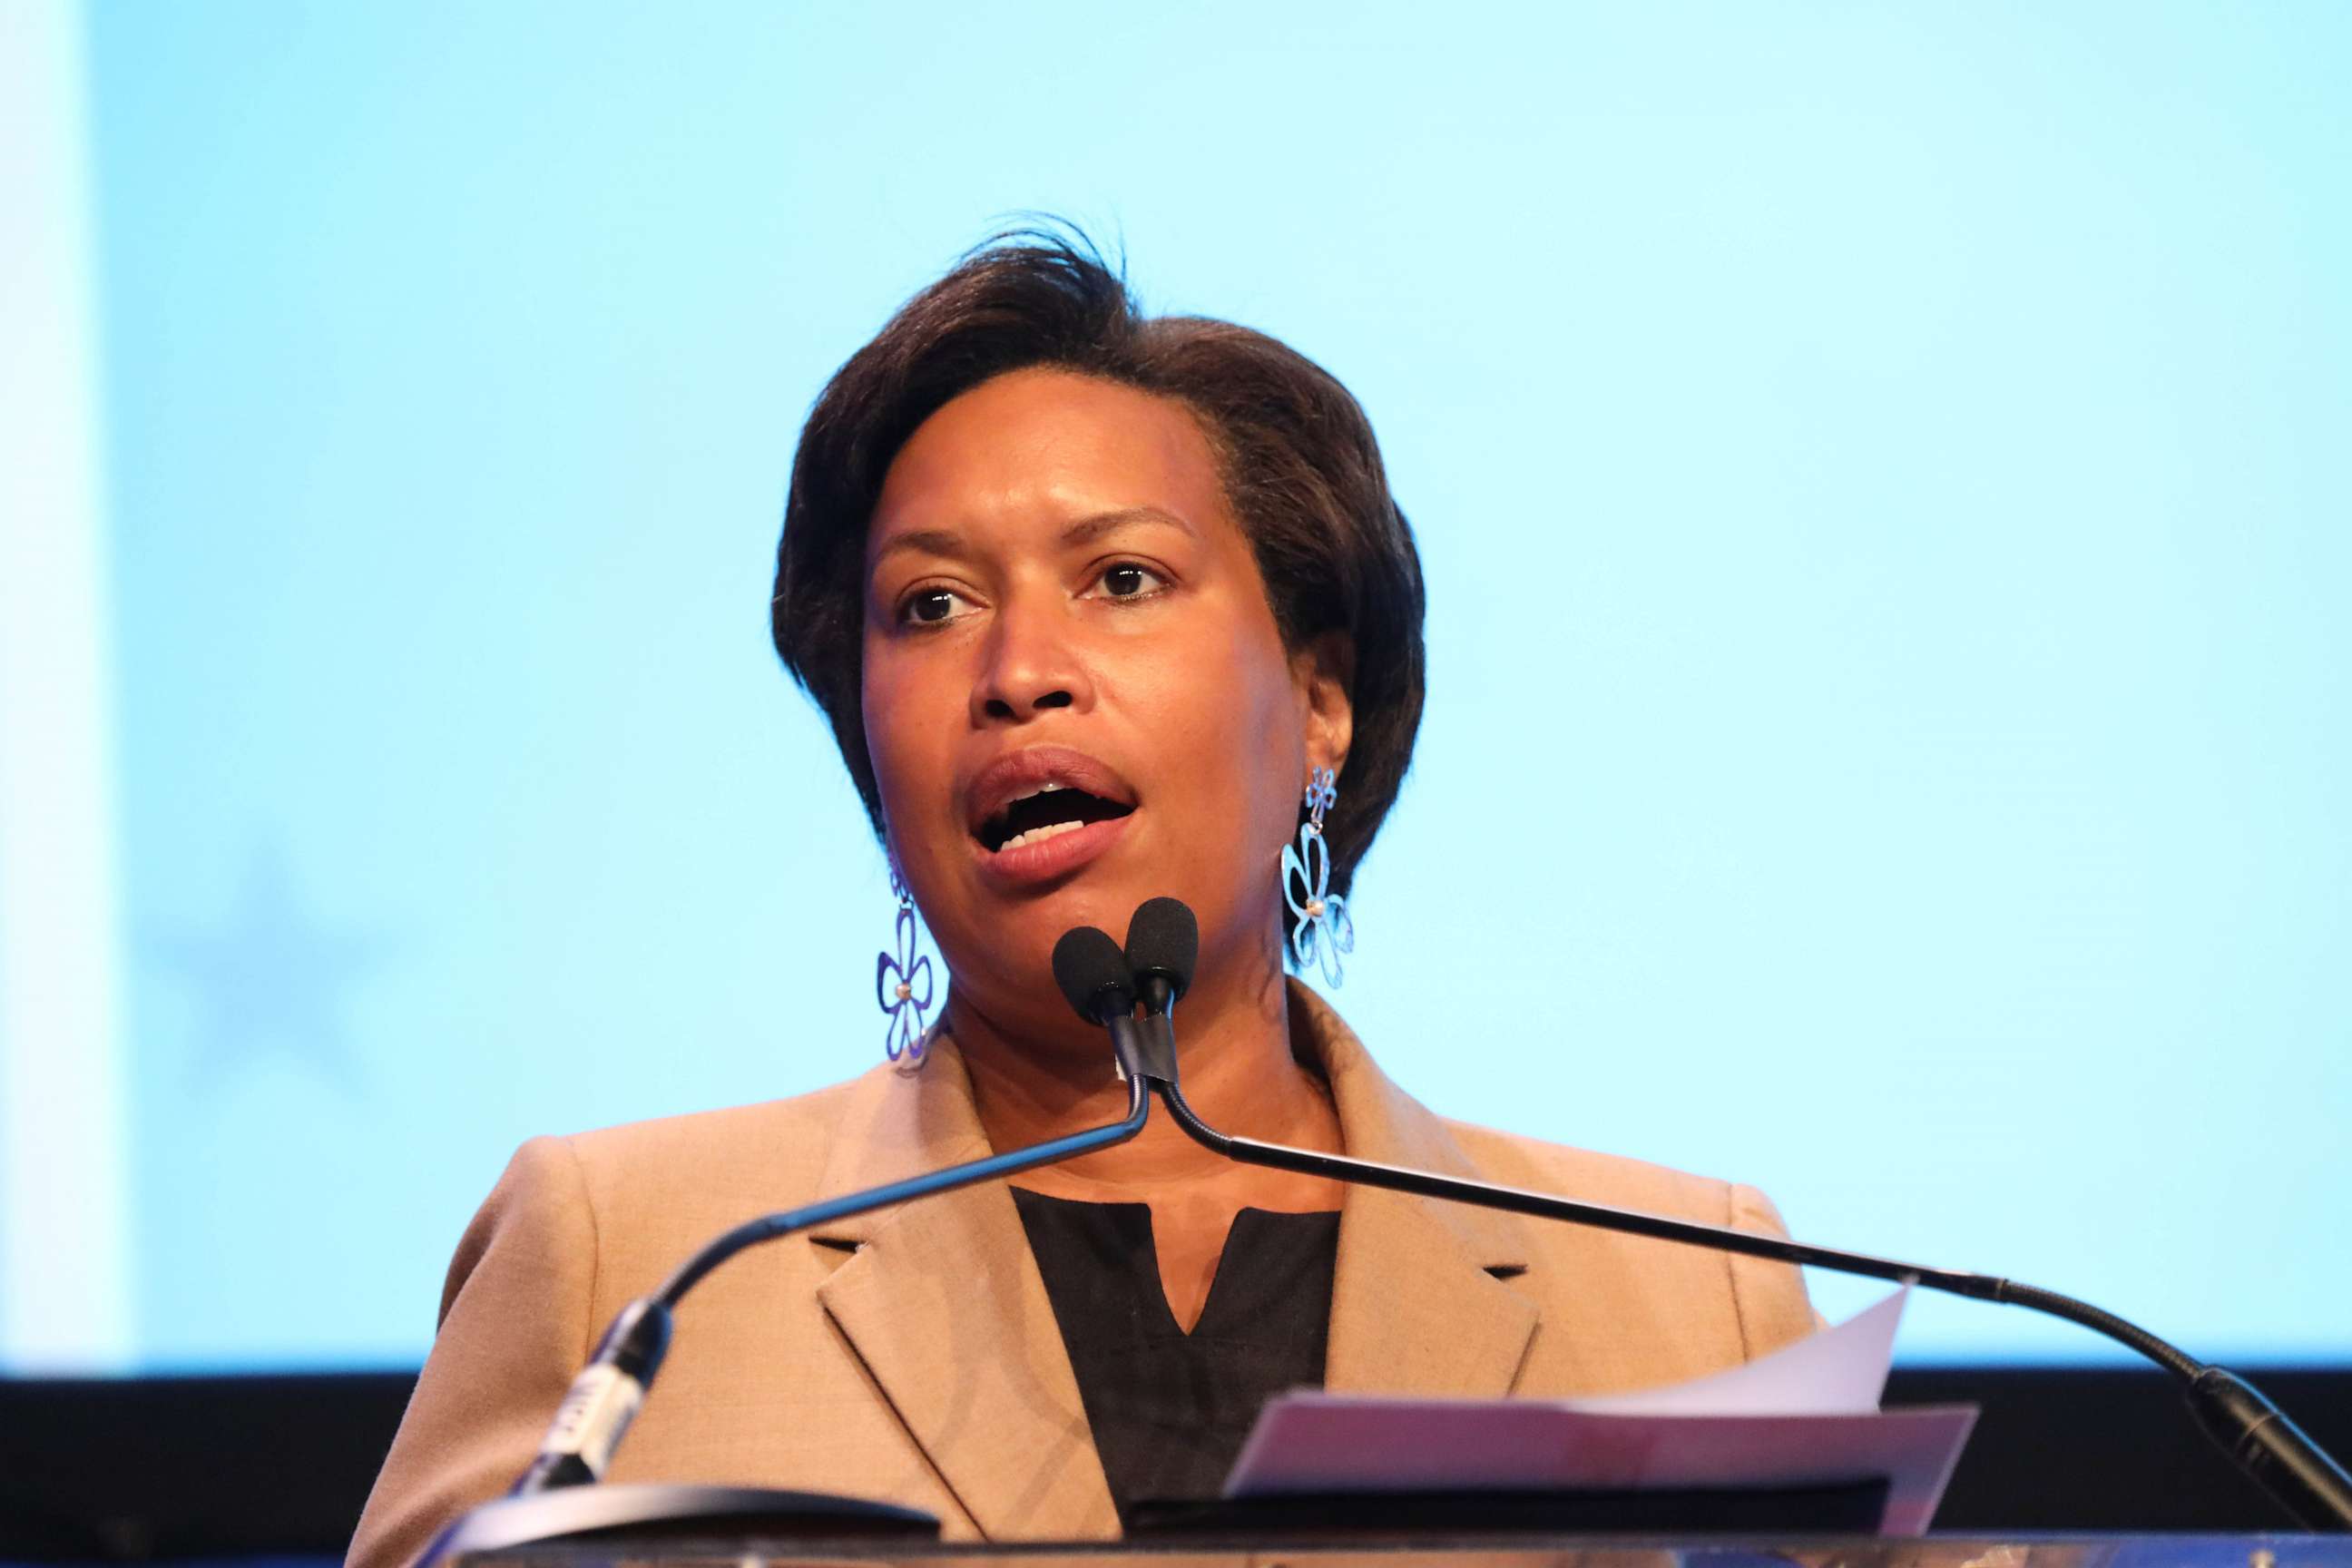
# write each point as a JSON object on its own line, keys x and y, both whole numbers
{"x": 1104, "y": 983}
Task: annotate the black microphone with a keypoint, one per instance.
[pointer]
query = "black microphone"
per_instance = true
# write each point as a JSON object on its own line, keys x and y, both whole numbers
{"x": 605, "y": 1396}
{"x": 1163, "y": 945}
{"x": 1094, "y": 975}
{"x": 1099, "y": 986}
{"x": 2299, "y": 1475}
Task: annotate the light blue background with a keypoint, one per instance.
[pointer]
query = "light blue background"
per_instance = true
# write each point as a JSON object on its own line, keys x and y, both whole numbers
{"x": 1881, "y": 471}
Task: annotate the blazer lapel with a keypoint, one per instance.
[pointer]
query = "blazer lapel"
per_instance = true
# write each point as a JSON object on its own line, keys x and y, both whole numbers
{"x": 943, "y": 1304}
{"x": 1418, "y": 1301}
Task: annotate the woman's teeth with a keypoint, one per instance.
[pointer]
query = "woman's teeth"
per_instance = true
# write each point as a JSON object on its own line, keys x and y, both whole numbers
{"x": 1039, "y": 835}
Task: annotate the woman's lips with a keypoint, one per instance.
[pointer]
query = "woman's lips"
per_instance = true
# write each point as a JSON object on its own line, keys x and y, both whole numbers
{"x": 1052, "y": 849}
{"x": 1050, "y": 857}
{"x": 1021, "y": 772}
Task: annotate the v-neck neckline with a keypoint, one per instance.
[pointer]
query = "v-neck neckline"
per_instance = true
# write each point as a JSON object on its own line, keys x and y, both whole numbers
{"x": 1146, "y": 1279}
{"x": 1169, "y": 1409}
{"x": 1219, "y": 1276}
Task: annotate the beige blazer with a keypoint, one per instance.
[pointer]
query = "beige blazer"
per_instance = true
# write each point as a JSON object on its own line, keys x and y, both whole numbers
{"x": 910, "y": 1355}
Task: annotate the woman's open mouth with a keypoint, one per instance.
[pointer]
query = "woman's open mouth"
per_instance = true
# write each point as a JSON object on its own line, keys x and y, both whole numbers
{"x": 1041, "y": 812}
{"x": 1046, "y": 813}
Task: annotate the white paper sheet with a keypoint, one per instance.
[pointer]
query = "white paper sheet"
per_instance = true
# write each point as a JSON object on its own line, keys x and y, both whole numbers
{"x": 1835, "y": 1371}
{"x": 1805, "y": 1414}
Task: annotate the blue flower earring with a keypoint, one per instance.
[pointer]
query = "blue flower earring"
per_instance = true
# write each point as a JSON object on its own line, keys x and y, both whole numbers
{"x": 902, "y": 984}
{"x": 1324, "y": 930}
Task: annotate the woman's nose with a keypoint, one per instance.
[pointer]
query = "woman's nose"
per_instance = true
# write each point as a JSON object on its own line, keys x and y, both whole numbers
{"x": 1031, "y": 667}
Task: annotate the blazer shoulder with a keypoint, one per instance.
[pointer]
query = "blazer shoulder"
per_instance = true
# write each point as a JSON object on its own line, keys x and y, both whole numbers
{"x": 576, "y": 1226}
{"x": 1770, "y": 1306}
{"x": 1405, "y": 1130}
{"x": 773, "y": 1138}
{"x": 1618, "y": 1180}
{"x": 653, "y": 1191}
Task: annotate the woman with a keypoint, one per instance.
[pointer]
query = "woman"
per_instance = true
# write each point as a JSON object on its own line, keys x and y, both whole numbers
{"x": 1098, "y": 607}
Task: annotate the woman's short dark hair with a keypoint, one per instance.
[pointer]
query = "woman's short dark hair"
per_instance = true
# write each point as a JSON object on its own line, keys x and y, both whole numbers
{"x": 1300, "y": 468}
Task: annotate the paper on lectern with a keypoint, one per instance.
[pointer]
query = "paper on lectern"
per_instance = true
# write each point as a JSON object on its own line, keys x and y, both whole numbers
{"x": 1836, "y": 1372}
{"x": 1805, "y": 1414}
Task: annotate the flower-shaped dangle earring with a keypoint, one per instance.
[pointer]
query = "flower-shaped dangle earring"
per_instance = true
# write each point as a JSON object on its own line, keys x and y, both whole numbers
{"x": 1324, "y": 930}
{"x": 902, "y": 984}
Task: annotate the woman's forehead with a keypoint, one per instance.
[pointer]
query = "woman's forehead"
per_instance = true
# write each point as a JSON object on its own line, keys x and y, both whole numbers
{"x": 1042, "y": 448}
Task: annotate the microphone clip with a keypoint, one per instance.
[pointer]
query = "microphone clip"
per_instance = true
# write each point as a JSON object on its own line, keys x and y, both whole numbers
{"x": 1144, "y": 1047}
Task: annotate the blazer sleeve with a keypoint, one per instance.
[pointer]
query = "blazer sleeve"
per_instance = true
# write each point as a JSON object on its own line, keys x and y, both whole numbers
{"x": 1769, "y": 1297}
{"x": 514, "y": 1327}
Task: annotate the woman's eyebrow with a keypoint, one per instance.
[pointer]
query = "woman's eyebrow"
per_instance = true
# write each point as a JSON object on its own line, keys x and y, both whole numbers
{"x": 947, "y": 543}
{"x": 1086, "y": 529}
{"x": 923, "y": 541}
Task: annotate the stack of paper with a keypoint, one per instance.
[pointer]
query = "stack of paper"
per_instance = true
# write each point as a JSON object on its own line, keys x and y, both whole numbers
{"x": 1806, "y": 1414}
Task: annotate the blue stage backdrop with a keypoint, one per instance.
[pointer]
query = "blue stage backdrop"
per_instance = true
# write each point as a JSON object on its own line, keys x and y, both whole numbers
{"x": 1884, "y": 482}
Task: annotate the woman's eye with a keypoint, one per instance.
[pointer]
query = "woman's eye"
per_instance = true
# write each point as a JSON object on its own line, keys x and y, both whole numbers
{"x": 1128, "y": 581}
{"x": 932, "y": 607}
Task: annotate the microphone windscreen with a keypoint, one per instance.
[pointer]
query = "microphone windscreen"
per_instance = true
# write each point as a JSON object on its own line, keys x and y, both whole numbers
{"x": 1163, "y": 939}
{"x": 1093, "y": 974}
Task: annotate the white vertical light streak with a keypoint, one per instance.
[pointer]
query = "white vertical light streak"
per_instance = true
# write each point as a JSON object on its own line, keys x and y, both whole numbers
{"x": 65, "y": 1277}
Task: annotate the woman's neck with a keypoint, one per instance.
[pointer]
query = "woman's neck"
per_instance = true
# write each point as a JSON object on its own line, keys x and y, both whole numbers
{"x": 1238, "y": 1072}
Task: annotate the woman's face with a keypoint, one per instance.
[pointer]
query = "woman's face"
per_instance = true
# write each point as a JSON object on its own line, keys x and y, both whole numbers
{"x": 1075, "y": 696}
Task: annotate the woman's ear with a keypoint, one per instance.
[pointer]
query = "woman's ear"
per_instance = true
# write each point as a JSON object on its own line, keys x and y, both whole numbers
{"x": 1324, "y": 672}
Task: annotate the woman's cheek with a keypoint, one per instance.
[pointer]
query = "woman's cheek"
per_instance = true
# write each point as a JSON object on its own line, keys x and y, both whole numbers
{"x": 1255, "y": 733}
{"x": 894, "y": 735}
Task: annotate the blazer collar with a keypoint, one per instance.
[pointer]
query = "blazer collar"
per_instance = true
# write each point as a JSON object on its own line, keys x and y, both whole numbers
{"x": 944, "y": 1305}
{"x": 1418, "y": 1301}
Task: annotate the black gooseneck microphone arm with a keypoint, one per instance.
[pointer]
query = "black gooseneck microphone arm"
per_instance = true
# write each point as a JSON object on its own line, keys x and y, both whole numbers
{"x": 603, "y": 1398}
{"x": 2296, "y": 1473}
{"x": 2271, "y": 1449}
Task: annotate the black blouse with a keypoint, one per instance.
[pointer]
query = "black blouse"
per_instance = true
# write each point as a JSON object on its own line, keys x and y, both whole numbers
{"x": 1171, "y": 1410}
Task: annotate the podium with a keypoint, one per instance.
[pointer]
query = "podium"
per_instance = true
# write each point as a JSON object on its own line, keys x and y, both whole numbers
{"x": 1485, "y": 1550}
